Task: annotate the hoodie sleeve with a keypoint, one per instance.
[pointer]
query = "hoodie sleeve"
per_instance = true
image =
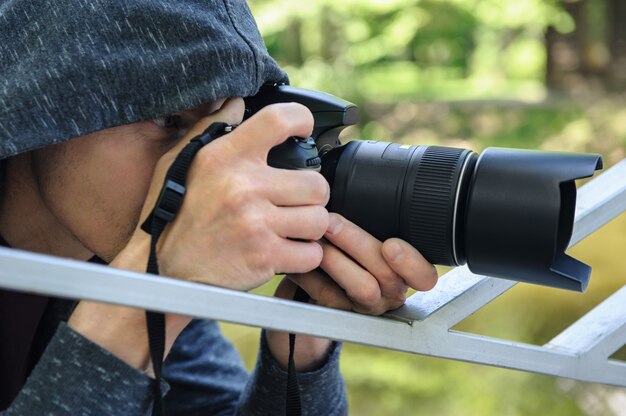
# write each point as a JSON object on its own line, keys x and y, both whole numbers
{"x": 322, "y": 392}
{"x": 75, "y": 376}
{"x": 204, "y": 375}
{"x": 207, "y": 377}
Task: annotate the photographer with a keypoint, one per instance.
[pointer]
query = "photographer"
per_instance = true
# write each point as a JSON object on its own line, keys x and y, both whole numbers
{"x": 131, "y": 84}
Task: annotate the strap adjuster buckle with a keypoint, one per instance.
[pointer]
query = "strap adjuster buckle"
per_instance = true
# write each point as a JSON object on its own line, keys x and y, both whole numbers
{"x": 170, "y": 200}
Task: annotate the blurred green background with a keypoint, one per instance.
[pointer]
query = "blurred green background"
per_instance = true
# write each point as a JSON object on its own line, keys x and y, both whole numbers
{"x": 471, "y": 73}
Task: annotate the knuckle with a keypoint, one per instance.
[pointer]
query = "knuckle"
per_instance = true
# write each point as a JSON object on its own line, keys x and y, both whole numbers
{"x": 283, "y": 117}
{"x": 262, "y": 260}
{"x": 252, "y": 222}
{"x": 308, "y": 258}
{"x": 429, "y": 279}
{"x": 370, "y": 310}
{"x": 316, "y": 255}
{"x": 319, "y": 188}
{"x": 277, "y": 118}
{"x": 320, "y": 223}
{"x": 250, "y": 226}
{"x": 326, "y": 295}
{"x": 367, "y": 295}
{"x": 397, "y": 299}
{"x": 388, "y": 275}
{"x": 237, "y": 192}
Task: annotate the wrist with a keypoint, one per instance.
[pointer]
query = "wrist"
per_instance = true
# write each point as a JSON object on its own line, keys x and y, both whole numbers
{"x": 310, "y": 353}
{"x": 134, "y": 256}
{"x": 120, "y": 330}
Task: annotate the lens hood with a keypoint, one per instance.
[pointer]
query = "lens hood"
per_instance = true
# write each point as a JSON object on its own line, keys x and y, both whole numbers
{"x": 520, "y": 215}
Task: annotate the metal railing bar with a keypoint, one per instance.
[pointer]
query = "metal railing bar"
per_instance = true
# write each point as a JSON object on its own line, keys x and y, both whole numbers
{"x": 526, "y": 357}
{"x": 459, "y": 283}
{"x": 601, "y": 332}
{"x": 67, "y": 278}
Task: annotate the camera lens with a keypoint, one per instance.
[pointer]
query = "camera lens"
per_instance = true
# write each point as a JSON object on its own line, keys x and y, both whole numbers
{"x": 506, "y": 213}
{"x": 416, "y": 193}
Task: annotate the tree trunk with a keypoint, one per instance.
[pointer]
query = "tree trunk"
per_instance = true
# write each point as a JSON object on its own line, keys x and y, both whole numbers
{"x": 616, "y": 12}
{"x": 564, "y": 67}
{"x": 593, "y": 56}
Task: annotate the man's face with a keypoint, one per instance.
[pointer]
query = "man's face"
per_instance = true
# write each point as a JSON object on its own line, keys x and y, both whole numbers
{"x": 96, "y": 185}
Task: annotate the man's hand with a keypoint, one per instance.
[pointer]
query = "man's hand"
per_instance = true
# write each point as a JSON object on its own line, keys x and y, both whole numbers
{"x": 358, "y": 273}
{"x": 241, "y": 222}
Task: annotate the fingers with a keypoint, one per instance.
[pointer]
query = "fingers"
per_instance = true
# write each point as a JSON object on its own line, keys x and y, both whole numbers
{"x": 361, "y": 246}
{"x": 286, "y": 289}
{"x": 374, "y": 275}
{"x": 306, "y": 223}
{"x": 296, "y": 256}
{"x": 405, "y": 260}
{"x": 297, "y": 187}
{"x": 271, "y": 126}
{"x": 322, "y": 289}
{"x": 361, "y": 287}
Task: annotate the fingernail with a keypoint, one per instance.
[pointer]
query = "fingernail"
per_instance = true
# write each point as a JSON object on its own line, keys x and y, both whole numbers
{"x": 334, "y": 224}
{"x": 395, "y": 251}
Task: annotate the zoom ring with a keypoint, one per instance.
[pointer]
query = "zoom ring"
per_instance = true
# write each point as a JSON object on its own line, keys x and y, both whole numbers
{"x": 432, "y": 204}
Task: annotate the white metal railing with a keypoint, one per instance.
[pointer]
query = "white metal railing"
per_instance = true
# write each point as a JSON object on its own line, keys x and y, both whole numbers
{"x": 422, "y": 326}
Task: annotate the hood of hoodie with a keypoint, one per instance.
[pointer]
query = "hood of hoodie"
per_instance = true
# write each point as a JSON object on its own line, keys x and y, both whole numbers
{"x": 72, "y": 67}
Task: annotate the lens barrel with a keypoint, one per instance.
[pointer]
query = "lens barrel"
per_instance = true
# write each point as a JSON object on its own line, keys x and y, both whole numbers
{"x": 417, "y": 193}
{"x": 508, "y": 213}
{"x": 434, "y": 201}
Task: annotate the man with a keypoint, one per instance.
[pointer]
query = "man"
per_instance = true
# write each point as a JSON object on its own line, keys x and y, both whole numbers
{"x": 131, "y": 84}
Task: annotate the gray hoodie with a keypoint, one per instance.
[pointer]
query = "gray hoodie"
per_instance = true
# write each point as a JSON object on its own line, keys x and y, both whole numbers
{"x": 73, "y": 67}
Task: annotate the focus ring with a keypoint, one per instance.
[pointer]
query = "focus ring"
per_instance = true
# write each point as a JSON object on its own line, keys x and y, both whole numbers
{"x": 431, "y": 204}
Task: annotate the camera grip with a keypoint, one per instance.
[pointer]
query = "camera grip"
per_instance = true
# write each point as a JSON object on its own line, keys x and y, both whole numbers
{"x": 295, "y": 153}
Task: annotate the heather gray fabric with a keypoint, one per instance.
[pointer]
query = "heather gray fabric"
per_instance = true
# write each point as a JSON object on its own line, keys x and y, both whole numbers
{"x": 204, "y": 372}
{"x": 71, "y": 67}
{"x": 322, "y": 392}
{"x": 77, "y": 377}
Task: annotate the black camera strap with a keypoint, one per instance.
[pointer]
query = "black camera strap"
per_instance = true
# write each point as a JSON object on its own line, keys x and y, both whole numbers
{"x": 293, "y": 406}
{"x": 167, "y": 206}
{"x": 165, "y": 210}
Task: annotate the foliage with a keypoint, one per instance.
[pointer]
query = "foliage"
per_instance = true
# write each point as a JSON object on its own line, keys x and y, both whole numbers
{"x": 350, "y": 48}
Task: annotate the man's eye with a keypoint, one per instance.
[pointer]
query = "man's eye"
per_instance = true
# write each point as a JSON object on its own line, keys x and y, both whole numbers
{"x": 170, "y": 122}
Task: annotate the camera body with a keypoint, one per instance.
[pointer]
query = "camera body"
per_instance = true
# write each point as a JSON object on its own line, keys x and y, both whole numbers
{"x": 507, "y": 213}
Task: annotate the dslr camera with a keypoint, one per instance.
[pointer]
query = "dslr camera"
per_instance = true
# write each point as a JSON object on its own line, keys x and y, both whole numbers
{"x": 507, "y": 213}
